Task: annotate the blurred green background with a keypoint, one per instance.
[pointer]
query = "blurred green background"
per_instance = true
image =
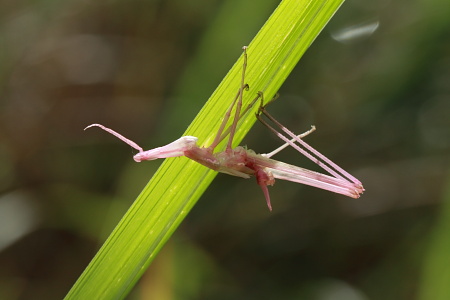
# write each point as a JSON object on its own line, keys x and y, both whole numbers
{"x": 376, "y": 83}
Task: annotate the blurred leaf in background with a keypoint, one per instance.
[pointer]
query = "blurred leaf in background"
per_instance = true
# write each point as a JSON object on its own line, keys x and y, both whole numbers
{"x": 375, "y": 83}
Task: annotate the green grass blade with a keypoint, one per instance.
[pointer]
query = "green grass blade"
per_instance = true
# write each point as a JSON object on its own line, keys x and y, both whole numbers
{"x": 436, "y": 274}
{"x": 179, "y": 182}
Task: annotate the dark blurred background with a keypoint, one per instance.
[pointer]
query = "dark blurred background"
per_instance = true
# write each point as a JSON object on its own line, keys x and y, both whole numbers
{"x": 375, "y": 83}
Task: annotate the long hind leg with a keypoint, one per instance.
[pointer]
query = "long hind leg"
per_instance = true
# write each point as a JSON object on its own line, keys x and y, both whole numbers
{"x": 305, "y": 148}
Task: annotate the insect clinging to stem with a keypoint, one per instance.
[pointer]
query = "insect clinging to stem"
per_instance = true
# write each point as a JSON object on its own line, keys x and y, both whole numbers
{"x": 245, "y": 163}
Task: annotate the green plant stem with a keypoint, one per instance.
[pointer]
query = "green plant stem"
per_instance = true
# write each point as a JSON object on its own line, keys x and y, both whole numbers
{"x": 179, "y": 182}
